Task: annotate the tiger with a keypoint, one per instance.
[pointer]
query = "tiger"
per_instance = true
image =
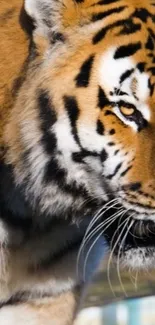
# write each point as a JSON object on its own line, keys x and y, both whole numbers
{"x": 77, "y": 139}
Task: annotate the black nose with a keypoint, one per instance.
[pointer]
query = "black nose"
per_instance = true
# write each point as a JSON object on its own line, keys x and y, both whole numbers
{"x": 132, "y": 186}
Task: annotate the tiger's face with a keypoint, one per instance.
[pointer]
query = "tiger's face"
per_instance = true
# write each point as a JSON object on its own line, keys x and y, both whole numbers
{"x": 82, "y": 131}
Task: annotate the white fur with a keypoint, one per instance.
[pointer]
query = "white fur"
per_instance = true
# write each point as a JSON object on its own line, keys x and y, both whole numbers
{"x": 142, "y": 91}
{"x": 138, "y": 258}
{"x": 34, "y": 8}
{"x": 110, "y": 71}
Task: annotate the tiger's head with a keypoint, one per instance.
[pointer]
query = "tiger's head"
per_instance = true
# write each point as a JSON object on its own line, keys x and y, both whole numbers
{"x": 82, "y": 131}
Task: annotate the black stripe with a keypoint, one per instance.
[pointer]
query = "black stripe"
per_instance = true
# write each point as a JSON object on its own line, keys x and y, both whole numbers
{"x": 150, "y": 44}
{"x": 151, "y": 87}
{"x": 111, "y": 144}
{"x": 49, "y": 142}
{"x": 72, "y": 109}
{"x": 143, "y": 14}
{"x": 57, "y": 37}
{"x": 146, "y": 195}
{"x": 107, "y": 13}
{"x": 24, "y": 296}
{"x": 46, "y": 110}
{"x": 107, "y": 2}
{"x": 102, "y": 99}
{"x": 47, "y": 116}
{"x": 18, "y": 82}
{"x": 79, "y": 156}
{"x": 151, "y": 33}
{"x": 76, "y": 190}
{"x": 112, "y": 132}
{"x": 118, "y": 92}
{"x": 125, "y": 171}
{"x": 108, "y": 112}
{"x": 116, "y": 152}
{"x": 53, "y": 172}
{"x": 134, "y": 186}
{"x": 16, "y": 299}
{"x": 140, "y": 205}
{"x": 100, "y": 127}
{"x": 115, "y": 171}
{"x": 102, "y": 33}
{"x": 141, "y": 66}
{"x": 28, "y": 296}
{"x": 127, "y": 50}
{"x": 82, "y": 79}
{"x": 126, "y": 75}
{"x": 125, "y": 104}
{"x": 152, "y": 70}
{"x": 103, "y": 155}
{"x": 130, "y": 27}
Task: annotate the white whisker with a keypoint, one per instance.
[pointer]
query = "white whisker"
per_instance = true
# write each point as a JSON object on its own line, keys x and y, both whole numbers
{"x": 102, "y": 224}
{"x": 88, "y": 253}
{"x": 99, "y": 213}
{"x": 118, "y": 256}
{"x": 93, "y": 221}
{"x": 111, "y": 254}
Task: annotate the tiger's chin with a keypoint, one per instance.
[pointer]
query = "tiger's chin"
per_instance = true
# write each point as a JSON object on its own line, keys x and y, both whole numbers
{"x": 138, "y": 251}
{"x": 138, "y": 258}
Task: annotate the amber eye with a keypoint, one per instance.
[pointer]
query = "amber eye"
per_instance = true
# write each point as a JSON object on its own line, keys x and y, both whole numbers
{"x": 127, "y": 111}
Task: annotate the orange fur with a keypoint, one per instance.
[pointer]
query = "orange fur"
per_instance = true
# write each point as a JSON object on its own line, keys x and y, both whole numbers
{"x": 54, "y": 67}
{"x": 14, "y": 51}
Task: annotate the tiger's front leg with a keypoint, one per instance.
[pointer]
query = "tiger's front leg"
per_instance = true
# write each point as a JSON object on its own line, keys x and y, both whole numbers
{"x": 47, "y": 311}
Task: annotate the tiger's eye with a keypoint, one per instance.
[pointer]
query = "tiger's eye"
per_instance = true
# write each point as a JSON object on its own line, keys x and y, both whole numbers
{"x": 127, "y": 111}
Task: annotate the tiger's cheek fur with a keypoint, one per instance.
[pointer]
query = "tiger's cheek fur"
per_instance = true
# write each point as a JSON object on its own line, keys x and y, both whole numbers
{"x": 73, "y": 88}
{"x": 78, "y": 129}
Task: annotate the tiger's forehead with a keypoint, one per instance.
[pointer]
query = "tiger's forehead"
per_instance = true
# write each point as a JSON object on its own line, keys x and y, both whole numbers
{"x": 115, "y": 72}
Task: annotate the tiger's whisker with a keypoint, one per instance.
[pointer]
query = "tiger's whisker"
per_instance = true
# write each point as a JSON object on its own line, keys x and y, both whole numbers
{"x": 112, "y": 251}
{"x": 115, "y": 202}
{"x": 102, "y": 224}
{"x": 118, "y": 256}
{"x": 88, "y": 253}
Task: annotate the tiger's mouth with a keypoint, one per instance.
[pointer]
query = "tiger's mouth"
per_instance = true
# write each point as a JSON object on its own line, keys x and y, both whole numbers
{"x": 141, "y": 234}
{"x": 132, "y": 240}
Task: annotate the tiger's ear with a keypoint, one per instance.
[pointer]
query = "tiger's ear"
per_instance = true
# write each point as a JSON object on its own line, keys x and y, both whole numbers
{"x": 38, "y": 9}
{"x": 53, "y": 14}
{"x": 48, "y": 22}
{"x": 41, "y": 11}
